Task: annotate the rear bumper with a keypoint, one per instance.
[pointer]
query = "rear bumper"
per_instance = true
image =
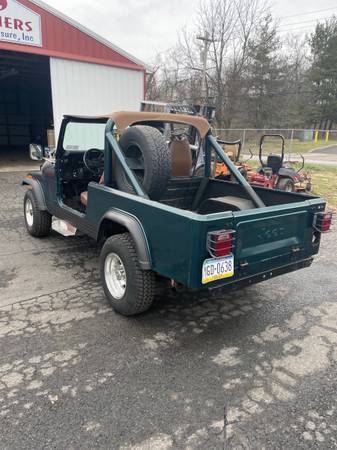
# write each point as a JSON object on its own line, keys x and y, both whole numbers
{"x": 264, "y": 276}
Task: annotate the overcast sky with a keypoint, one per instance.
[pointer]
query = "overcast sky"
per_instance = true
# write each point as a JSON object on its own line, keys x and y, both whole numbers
{"x": 145, "y": 27}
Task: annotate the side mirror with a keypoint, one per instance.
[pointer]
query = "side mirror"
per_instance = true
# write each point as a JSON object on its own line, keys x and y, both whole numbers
{"x": 36, "y": 152}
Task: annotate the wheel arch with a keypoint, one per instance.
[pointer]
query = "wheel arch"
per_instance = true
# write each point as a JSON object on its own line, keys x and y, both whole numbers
{"x": 116, "y": 222}
{"x": 38, "y": 192}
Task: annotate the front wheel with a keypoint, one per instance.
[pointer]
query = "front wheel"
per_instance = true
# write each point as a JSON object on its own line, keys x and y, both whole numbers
{"x": 129, "y": 289}
{"x": 286, "y": 184}
{"x": 38, "y": 223}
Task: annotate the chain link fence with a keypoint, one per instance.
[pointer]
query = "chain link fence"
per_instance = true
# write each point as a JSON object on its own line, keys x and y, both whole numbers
{"x": 297, "y": 141}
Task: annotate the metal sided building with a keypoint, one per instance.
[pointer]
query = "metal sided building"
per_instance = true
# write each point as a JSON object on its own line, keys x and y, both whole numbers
{"x": 51, "y": 66}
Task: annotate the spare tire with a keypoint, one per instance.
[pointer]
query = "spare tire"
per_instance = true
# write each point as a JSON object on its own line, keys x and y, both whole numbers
{"x": 149, "y": 156}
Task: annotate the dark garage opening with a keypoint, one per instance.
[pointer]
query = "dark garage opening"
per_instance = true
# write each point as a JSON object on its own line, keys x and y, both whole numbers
{"x": 25, "y": 105}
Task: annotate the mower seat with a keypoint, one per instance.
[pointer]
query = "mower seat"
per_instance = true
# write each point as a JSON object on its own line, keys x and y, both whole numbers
{"x": 84, "y": 195}
{"x": 287, "y": 172}
{"x": 274, "y": 162}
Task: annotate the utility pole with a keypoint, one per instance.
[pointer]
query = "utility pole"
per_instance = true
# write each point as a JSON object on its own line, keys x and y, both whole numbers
{"x": 204, "y": 56}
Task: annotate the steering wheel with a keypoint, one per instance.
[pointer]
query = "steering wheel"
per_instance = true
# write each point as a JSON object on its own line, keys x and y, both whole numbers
{"x": 94, "y": 160}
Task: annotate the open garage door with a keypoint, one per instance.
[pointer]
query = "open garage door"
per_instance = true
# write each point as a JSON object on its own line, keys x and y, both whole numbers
{"x": 25, "y": 105}
{"x": 81, "y": 88}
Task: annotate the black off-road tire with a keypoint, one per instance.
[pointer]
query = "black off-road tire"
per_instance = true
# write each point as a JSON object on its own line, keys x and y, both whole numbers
{"x": 41, "y": 225}
{"x": 286, "y": 184}
{"x": 140, "y": 284}
{"x": 156, "y": 159}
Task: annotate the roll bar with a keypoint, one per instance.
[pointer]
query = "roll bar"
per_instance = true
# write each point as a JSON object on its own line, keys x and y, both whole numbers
{"x": 110, "y": 141}
{"x": 210, "y": 139}
{"x": 111, "y": 146}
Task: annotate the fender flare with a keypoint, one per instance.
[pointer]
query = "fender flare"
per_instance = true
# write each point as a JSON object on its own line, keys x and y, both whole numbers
{"x": 38, "y": 192}
{"x": 135, "y": 228}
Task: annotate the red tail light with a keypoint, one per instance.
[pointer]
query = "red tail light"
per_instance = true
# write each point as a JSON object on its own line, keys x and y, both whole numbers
{"x": 220, "y": 243}
{"x": 323, "y": 221}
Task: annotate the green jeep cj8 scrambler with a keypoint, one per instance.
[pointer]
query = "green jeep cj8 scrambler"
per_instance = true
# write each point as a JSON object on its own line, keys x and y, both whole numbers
{"x": 124, "y": 180}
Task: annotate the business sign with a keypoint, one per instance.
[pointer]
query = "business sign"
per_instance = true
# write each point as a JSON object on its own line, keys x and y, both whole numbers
{"x": 19, "y": 25}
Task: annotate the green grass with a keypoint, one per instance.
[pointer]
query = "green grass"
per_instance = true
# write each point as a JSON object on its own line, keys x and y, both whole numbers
{"x": 321, "y": 168}
{"x": 324, "y": 180}
{"x": 297, "y": 146}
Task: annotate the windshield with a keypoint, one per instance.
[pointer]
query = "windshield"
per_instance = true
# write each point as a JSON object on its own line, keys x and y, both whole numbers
{"x": 83, "y": 136}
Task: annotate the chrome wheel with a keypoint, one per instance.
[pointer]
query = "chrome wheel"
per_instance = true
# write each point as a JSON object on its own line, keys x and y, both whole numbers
{"x": 29, "y": 213}
{"x": 115, "y": 275}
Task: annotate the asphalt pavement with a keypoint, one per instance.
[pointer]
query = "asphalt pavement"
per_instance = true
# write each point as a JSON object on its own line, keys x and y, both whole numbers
{"x": 328, "y": 150}
{"x": 75, "y": 375}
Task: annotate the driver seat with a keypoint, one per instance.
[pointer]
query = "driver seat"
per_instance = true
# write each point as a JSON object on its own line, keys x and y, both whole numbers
{"x": 84, "y": 195}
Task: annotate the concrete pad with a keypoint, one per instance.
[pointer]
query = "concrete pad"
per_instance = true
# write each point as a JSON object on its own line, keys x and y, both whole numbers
{"x": 328, "y": 150}
{"x": 17, "y": 160}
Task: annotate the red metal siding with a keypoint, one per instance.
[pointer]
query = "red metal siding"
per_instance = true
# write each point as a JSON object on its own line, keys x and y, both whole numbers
{"x": 62, "y": 40}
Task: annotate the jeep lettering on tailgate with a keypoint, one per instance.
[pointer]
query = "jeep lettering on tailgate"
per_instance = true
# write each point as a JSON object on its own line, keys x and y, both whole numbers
{"x": 271, "y": 234}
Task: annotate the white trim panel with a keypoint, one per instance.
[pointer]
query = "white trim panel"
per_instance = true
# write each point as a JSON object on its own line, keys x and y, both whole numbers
{"x": 80, "y": 88}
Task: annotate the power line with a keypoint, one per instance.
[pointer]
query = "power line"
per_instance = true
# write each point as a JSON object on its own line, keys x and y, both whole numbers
{"x": 314, "y": 22}
{"x": 295, "y": 29}
{"x": 305, "y": 21}
{"x": 309, "y": 12}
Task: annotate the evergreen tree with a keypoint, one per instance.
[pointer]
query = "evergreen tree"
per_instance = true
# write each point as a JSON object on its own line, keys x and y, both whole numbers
{"x": 265, "y": 78}
{"x": 323, "y": 74}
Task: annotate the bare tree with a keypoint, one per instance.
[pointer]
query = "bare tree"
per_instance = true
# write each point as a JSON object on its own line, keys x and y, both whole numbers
{"x": 230, "y": 26}
{"x": 171, "y": 79}
{"x": 240, "y": 54}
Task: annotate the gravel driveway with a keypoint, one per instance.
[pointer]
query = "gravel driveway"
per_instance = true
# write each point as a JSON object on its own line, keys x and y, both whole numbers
{"x": 74, "y": 375}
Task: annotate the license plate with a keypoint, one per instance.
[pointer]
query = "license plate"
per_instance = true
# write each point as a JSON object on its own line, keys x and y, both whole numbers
{"x": 217, "y": 268}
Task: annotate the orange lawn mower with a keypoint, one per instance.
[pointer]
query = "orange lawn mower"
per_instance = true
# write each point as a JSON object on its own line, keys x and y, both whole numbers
{"x": 274, "y": 174}
{"x": 220, "y": 170}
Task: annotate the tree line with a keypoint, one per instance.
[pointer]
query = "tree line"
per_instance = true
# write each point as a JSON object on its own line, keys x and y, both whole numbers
{"x": 255, "y": 77}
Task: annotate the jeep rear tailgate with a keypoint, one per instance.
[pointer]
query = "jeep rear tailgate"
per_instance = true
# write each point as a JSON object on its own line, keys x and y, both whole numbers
{"x": 266, "y": 239}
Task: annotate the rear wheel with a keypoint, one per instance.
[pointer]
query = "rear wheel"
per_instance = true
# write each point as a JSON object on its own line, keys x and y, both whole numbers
{"x": 38, "y": 223}
{"x": 286, "y": 184}
{"x": 129, "y": 289}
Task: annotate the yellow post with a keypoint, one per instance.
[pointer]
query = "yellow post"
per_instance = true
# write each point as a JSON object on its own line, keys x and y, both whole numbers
{"x": 327, "y": 136}
{"x": 316, "y": 137}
